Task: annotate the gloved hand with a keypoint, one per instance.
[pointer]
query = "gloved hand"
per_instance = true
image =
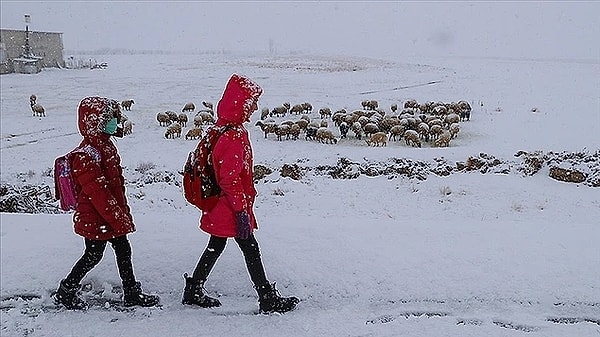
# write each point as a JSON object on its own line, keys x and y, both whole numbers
{"x": 243, "y": 225}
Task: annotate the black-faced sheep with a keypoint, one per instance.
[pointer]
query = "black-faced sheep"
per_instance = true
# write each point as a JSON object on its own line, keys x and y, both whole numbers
{"x": 377, "y": 139}
{"x": 32, "y": 99}
{"x": 193, "y": 133}
{"x": 126, "y": 104}
{"x": 188, "y": 107}
{"x": 173, "y": 131}
{"x": 411, "y": 137}
{"x": 344, "y": 127}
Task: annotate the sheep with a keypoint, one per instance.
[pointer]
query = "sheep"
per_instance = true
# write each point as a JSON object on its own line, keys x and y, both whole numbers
{"x": 325, "y": 112}
{"x": 281, "y": 110}
{"x": 172, "y": 115}
{"x": 127, "y": 127}
{"x": 264, "y": 113}
{"x": 208, "y": 105}
{"x": 435, "y": 131}
{"x": 394, "y": 107}
{"x": 173, "y": 131}
{"x": 423, "y": 130}
{"x": 371, "y": 128}
{"x": 344, "y": 129}
{"x": 464, "y": 110}
{"x": 372, "y": 105}
{"x": 163, "y": 119}
{"x": 451, "y": 118}
{"x": 302, "y": 123}
{"x": 203, "y": 117}
{"x": 282, "y": 130}
{"x": 396, "y": 131}
{"x": 378, "y": 138}
{"x": 188, "y": 107}
{"x": 193, "y": 133}
{"x": 266, "y": 127}
{"x": 38, "y": 110}
{"x": 311, "y": 133}
{"x": 443, "y": 140}
{"x": 294, "y": 131}
{"x": 324, "y": 135}
{"x": 126, "y": 104}
{"x": 454, "y": 129}
{"x": 323, "y": 124}
{"x": 297, "y": 109}
{"x": 357, "y": 129}
{"x": 411, "y": 137}
{"x": 307, "y": 107}
{"x": 182, "y": 119}
{"x": 32, "y": 99}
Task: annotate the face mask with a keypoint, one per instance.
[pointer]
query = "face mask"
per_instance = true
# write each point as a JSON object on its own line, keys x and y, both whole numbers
{"x": 111, "y": 126}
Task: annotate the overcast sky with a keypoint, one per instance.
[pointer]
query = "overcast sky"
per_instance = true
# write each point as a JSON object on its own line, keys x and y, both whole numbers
{"x": 525, "y": 29}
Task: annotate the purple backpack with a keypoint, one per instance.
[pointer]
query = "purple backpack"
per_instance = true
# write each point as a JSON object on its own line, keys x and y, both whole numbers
{"x": 64, "y": 186}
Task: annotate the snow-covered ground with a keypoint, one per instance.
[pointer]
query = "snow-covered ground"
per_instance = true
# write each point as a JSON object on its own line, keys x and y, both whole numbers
{"x": 467, "y": 254}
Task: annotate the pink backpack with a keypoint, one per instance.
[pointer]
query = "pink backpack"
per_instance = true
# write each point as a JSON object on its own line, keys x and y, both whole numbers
{"x": 64, "y": 186}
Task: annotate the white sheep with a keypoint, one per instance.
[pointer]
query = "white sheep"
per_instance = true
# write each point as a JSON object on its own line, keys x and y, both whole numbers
{"x": 377, "y": 139}
{"x": 411, "y": 137}
{"x": 173, "y": 131}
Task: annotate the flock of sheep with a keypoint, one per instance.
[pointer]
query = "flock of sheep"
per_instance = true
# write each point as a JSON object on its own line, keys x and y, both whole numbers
{"x": 433, "y": 122}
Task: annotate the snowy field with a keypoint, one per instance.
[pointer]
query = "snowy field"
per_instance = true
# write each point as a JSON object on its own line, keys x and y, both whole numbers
{"x": 493, "y": 252}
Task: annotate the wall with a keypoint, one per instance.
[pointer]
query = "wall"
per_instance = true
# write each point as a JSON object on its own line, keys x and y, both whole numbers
{"x": 45, "y": 44}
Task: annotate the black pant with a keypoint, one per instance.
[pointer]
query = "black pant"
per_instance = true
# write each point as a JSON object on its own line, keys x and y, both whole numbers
{"x": 94, "y": 250}
{"x": 249, "y": 248}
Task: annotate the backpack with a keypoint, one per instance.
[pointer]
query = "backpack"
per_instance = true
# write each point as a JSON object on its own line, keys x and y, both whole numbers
{"x": 200, "y": 187}
{"x": 64, "y": 185}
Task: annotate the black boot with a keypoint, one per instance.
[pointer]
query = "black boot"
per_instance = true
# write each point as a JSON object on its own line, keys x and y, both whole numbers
{"x": 270, "y": 301}
{"x": 67, "y": 296}
{"x": 134, "y": 296}
{"x": 193, "y": 294}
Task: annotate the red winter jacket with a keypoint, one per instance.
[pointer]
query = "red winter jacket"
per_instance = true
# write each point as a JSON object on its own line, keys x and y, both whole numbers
{"x": 102, "y": 212}
{"x": 232, "y": 159}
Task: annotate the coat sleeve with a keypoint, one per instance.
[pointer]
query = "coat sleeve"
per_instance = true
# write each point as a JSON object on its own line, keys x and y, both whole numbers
{"x": 88, "y": 174}
{"x": 228, "y": 160}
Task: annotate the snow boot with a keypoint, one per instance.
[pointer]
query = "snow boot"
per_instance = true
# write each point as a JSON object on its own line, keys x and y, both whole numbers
{"x": 194, "y": 294}
{"x": 133, "y": 296}
{"x": 269, "y": 300}
{"x": 66, "y": 295}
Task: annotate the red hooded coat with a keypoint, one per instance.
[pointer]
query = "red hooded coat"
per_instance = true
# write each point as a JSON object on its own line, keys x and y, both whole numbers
{"x": 232, "y": 159}
{"x": 102, "y": 212}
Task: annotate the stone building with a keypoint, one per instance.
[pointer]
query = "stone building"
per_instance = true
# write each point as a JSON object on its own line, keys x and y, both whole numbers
{"x": 45, "y": 45}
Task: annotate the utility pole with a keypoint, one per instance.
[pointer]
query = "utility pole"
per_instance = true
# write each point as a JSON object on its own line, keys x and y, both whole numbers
{"x": 27, "y": 48}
